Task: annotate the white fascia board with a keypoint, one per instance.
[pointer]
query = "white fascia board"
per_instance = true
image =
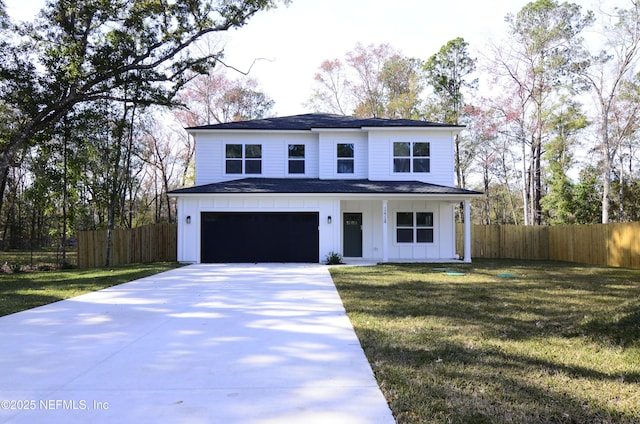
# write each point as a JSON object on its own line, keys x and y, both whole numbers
{"x": 312, "y": 130}
{"x": 428, "y": 129}
{"x": 207, "y": 131}
{"x": 454, "y": 198}
{"x": 333, "y": 130}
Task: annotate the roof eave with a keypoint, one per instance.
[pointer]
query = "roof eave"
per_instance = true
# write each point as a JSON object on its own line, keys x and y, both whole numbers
{"x": 242, "y": 131}
{"x": 417, "y": 128}
{"x": 317, "y": 130}
{"x": 434, "y": 196}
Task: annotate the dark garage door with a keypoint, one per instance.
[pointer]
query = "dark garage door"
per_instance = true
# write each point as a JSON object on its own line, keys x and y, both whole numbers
{"x": 259, "y": 237}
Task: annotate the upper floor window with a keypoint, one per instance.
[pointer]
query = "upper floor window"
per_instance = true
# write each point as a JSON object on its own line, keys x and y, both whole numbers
{"x": 243, "y": 158}
{"x": 296, "y": 158}
{"x": 345, "y": 158}
{"x": 414, "y": 227}
{"x": 411, "y": 157}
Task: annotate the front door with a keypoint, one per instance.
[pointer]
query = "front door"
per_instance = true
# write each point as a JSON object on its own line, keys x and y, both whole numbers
{"x": 352, "y": 230}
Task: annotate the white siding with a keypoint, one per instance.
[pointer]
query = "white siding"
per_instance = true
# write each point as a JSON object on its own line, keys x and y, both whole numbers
{"x": 328, "y": 154}
{"x": 210, "y": 155}
{"x": 441, "y": 150}
{"x": 373, "y": 155}
{"x": 373, "y": 159}
{"x": 209, "y": 164}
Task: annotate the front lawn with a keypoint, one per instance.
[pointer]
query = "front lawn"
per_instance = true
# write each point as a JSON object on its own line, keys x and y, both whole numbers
{"x": 508, "y": 342}
{"x": 26, "y": 290}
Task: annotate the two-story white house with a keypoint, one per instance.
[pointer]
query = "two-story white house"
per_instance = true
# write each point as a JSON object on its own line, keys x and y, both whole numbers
{"x": 296, "y": 188}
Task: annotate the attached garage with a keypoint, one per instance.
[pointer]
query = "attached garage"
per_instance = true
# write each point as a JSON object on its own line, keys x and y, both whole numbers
{"x": 259, "y": 237}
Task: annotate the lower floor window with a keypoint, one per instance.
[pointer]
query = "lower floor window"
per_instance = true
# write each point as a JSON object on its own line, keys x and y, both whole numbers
{"x": 414, "y": 227}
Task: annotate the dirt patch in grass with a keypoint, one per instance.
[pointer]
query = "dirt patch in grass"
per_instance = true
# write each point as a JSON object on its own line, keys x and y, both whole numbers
{"x": 542, "y": 342}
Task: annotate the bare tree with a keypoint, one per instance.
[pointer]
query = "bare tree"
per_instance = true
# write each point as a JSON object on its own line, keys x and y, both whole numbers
{"x": 215, "y": 98}
{"x": 371, "y": 81}
{"x": 160, "y": 153}
{"x": 606, "y": 75}
{"x": 541, "y": 60}
{"x": 332, "y": 89}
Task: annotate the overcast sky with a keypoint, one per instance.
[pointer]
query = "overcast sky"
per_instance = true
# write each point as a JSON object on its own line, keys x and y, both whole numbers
{"x": 298, "y": 37}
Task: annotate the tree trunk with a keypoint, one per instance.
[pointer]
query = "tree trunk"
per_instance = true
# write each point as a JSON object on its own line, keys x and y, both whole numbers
{"x": 536, "y": 155}
{"x": 487, "y": 201}
{"x": 537, "y": 184}
{"x": 457, "y": 159}
{"x": 111, "y": 207}
{"x": 607, "y": 166}
{"x": 606, "y": 190}
{"x": 621, "y": 209}
{"x": 3, "y": 186}
{"x": 64, "y": 199}
{"x": 525, "y": 179}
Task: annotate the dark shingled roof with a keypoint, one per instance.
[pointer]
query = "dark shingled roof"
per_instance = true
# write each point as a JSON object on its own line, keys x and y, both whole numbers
{"x": 321, "y": 121}
{"x": 314, "y": 185}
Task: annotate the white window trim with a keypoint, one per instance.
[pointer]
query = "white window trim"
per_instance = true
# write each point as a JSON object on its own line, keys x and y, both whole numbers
{"x": 414, "y": 228}
{"x": 411, "y": 157}
{"x": 243, "y": 158}
{"x": 302, "y": 159}
{"x": 337, "y": 158}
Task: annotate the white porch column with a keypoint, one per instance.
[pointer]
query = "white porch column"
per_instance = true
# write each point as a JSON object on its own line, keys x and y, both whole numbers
{"x": 467, "y": 231}
{"x": 385, "y": 233}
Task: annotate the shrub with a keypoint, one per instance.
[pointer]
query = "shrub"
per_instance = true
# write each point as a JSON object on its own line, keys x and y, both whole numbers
{"x": 334, "y": 258}
{"x": 67, "y": 265}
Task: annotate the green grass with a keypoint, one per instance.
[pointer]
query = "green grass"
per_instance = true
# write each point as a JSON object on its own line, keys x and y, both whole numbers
{"x": 26, "y": 290}
{"x": 38, "y": 258}
{"x": 555, "y": 343}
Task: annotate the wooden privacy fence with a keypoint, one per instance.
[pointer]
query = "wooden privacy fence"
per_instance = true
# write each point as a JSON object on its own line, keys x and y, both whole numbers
{"x": 615, "y": 244}
{"x": 151, "y": 243}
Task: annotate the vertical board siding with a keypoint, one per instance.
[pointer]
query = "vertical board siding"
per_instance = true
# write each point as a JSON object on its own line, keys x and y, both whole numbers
{"x": 151, "y": 243}
{"x": 616, "y": 244}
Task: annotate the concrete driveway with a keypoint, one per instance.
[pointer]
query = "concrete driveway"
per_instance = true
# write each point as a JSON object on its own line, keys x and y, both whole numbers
{"x": 227, "y": 343}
